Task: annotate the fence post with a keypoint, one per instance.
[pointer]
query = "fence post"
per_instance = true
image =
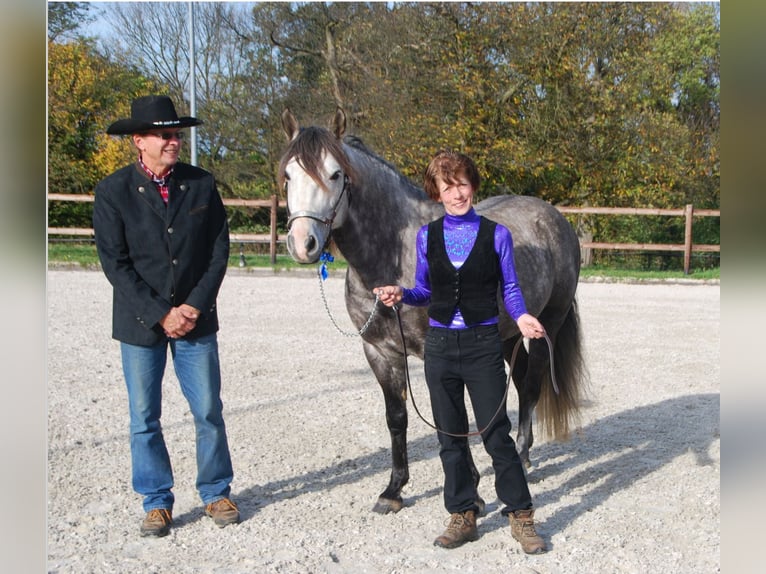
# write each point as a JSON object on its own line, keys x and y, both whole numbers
{"x": 689, "y": 214}
{"x": 273, "y": 224}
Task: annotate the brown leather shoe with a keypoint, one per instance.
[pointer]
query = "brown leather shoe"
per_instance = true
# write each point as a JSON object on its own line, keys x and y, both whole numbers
{"x": 157, "y": 522}
{"x": 460, "y": 529}
{"x": 523, "y": 530}
{"x": 223, "y": 512}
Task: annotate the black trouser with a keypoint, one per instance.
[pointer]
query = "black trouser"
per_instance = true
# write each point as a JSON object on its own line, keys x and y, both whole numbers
{"x": 472, "y": 358}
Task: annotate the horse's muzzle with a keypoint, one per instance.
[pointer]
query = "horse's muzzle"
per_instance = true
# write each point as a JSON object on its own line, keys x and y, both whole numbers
{"x": 305, "y": 242}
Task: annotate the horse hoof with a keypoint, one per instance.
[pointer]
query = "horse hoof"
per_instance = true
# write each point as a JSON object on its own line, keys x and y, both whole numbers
{"x": 386, "y": 506}
{"x": 482, "y": 506}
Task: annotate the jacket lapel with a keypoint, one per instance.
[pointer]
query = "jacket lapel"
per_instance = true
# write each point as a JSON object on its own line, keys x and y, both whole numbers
{"x": 148, "y": 193}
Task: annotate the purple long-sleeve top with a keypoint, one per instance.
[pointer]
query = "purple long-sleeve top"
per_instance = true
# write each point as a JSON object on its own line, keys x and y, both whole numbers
{"x": 460, "y": 233}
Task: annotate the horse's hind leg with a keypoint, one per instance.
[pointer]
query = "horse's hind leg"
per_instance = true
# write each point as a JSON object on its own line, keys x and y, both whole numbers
{"x": 527, "y": 378}
{"x": 529, "y": 383}
{"x": 529, "y": 394}
{"x": 476, "y": 478}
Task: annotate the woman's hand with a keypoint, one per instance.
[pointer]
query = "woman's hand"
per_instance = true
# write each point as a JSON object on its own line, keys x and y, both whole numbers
{"x": 530, "y": 327}
{"x": 389, "y": 295}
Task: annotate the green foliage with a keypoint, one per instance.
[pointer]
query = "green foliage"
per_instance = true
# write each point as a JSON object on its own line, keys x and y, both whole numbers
{"x": 85, "y": 94}
{"x": 70, "y": 214}
{"x": 255, "y": 220}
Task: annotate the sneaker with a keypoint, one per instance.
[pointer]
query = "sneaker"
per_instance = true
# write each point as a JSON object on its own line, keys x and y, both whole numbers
{"x": 223, "y": 512}
{"x": 523, "y": 530}
{"x": 461, "y": 528}
{"x": 156, "y": 522}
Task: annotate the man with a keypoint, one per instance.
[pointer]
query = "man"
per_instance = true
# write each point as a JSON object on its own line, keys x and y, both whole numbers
{"x": 163, "y": 242}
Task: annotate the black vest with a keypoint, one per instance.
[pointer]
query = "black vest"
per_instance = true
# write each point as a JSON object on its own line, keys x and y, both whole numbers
{"x": 473, "y": 287}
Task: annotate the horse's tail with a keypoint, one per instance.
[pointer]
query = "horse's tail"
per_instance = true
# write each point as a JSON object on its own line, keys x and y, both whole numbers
{"x": 559, "y": 413}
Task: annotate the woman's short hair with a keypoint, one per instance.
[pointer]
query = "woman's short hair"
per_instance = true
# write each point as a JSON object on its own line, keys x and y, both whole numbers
{"x": 448, "y": 166}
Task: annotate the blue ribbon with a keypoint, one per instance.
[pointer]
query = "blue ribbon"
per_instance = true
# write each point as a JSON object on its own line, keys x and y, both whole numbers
{"x": 325, "y": 258}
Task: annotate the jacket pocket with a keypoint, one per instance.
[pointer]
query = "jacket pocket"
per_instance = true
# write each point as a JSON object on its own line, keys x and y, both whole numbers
{"x": 199, "y": 209}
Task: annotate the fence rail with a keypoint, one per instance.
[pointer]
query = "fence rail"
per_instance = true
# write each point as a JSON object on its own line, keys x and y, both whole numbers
{"x": 688, "y": 213}
{"x": 271, "y": 238}
{"x": 687, "y": 247}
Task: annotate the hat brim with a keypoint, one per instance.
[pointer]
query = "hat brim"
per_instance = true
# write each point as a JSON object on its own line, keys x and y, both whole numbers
{"x": 131, "y": 126}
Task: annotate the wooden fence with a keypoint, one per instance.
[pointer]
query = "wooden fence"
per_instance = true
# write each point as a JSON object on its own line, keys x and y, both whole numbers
{"x": 272, "y": 238}
{"x": 688, "y": 213}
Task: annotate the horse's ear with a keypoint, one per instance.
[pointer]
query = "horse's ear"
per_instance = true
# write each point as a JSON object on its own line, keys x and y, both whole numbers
{"x": 339, "y": 123}
{"x": 289, "y": 124}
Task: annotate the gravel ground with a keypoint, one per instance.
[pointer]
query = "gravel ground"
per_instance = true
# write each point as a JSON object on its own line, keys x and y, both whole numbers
{"x": 636, "y": 490}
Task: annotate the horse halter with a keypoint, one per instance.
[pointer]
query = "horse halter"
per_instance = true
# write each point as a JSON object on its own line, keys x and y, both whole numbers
{"x": 323, "y": 219}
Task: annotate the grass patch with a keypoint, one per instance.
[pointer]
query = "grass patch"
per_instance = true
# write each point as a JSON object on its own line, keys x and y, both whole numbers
{"x": 597, "y": 271}
{"x": 83, "y": 254}
{"x": 282, "y": 262}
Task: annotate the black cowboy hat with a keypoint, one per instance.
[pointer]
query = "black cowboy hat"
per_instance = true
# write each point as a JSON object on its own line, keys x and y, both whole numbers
{"x": 151, "y": 113}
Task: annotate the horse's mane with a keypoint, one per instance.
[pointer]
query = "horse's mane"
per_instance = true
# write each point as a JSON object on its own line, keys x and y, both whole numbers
{"x": 357, "y": 143}
{"x": 307, "y": 148}
{"x": 310, "y": 144}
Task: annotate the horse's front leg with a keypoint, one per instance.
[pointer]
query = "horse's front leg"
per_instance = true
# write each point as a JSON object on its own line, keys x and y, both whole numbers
{"x": 390, "y": 376}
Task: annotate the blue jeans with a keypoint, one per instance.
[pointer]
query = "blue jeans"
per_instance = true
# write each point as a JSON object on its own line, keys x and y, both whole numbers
{"x": 197, "y": 368}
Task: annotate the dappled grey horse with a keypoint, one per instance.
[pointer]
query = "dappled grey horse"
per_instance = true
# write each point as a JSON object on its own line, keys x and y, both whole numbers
{"x": 337, "y": 189}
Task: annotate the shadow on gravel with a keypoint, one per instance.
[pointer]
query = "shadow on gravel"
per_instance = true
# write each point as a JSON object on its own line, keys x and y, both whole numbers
{"x": 615, "y": 452}
{"x": 607, "y": 456}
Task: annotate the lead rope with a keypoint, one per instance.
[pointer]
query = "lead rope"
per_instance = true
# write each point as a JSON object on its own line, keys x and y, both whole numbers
{"x": 322, "y": 274}
{"x": 507, "y": 384}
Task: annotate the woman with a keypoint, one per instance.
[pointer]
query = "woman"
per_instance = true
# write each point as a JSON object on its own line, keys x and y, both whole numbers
{"x": 462, "y": 258}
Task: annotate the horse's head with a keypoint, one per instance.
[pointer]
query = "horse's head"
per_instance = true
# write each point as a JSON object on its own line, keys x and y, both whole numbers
{"x": 315, "y": 174}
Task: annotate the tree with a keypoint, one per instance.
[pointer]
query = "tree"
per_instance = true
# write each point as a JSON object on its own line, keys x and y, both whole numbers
{"x": 228, "y": 55}
{"x": 85, "y": 94}
{"x": 66, "y": 18}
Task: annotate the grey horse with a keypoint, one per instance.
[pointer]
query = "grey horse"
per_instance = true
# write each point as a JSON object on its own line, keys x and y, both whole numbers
{"x": 339, "y": 190}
